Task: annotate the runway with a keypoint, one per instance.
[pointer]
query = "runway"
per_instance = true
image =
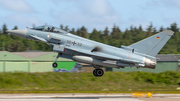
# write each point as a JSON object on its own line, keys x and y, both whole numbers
{"x": 86, "y": 97}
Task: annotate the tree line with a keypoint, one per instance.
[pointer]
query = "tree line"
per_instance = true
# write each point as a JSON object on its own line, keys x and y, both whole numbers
{"x": 111, "y": 36}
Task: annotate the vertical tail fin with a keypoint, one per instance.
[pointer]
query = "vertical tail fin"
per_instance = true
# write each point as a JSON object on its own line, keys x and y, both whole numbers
{"x": 152, "y": 45}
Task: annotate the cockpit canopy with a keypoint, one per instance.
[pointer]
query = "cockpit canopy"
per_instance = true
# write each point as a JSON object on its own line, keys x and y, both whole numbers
{"x": 49, "y": 29}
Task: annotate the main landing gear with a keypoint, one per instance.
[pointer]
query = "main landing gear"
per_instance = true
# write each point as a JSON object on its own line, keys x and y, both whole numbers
{"x": 98, "y": 72}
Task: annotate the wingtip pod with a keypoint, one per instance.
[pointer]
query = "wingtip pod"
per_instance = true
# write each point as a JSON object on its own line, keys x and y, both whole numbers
{"x": 168, "y": 32}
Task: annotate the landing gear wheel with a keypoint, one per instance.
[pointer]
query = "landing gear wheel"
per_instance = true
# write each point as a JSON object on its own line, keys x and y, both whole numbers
{"x": 94, "y": 72}
{"x": 98, "y": 72}
{"x": 54, "y": 65}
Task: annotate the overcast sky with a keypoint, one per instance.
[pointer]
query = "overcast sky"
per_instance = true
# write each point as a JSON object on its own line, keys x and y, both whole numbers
{"x": 90, "y": 13}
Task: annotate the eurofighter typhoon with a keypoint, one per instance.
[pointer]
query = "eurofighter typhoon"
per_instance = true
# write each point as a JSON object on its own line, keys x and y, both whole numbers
{"x": 141, "y": 54}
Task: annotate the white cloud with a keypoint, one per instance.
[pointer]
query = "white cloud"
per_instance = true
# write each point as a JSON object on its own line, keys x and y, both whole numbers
{"x": 161, "y": 12}
{"x": 20, "y": 21}
{"x": 136, "y": 22}
{"x": 16, "y": 5}
{"x": 171, "y": 3}
{"x": 90, "y": 13}
{"x": 97, "y": 8}
{"x": 156, "y": 4}
{"x": 23, "y": 20}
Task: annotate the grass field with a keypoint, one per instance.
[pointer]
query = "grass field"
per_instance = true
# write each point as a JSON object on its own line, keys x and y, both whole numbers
{"x": 112, "y": 82}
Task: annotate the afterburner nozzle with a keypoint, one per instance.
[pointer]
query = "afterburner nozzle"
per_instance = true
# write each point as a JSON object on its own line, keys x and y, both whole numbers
{"x": 150, "y": 63}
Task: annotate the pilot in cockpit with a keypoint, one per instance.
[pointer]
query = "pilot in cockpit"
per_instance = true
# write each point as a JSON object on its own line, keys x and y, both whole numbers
{"x": 48, "y": 29}
{"x": 52, "y": 30}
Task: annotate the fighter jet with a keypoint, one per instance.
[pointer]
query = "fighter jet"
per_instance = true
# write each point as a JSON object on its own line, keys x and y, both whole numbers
{"x": 141, "y": 54}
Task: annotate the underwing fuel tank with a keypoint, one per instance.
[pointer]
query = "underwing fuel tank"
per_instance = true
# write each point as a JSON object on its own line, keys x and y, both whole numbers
{"x": 94, "y": 61}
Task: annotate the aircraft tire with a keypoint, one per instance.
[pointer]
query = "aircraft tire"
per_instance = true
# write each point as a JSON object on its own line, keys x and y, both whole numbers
{"x": 55, "y": 65}
{"x": 94, "y": 72}
{"x": 98, "y": 72}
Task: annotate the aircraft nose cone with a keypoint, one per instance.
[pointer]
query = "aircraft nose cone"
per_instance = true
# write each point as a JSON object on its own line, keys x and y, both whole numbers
{"x": 20, "y": 33}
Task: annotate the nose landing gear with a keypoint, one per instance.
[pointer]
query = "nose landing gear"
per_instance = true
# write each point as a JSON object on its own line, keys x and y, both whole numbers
{"x": 55, "y": 65}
